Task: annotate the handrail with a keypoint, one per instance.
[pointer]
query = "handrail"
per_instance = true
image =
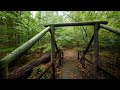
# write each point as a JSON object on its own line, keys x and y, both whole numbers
{"x": 77, "y": 24}
{"x": 17, "y": 53}
{"x": 96, "y": 44}
{"x": 116, "y": 31}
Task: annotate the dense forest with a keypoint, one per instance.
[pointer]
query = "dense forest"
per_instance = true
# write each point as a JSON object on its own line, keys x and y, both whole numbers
{"x": 17, "y": 27}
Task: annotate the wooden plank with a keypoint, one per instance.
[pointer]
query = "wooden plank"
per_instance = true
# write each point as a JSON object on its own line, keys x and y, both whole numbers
{"x": 56, "y": 47}
{"x": 62, "y": 55}
{"x": 96, "y": 48}
{"x": 77, "y": 24}
{"x": 116, "y": 31}
{"x": 78, "y": 55}
{"x": 59, "y": 53}
{"x": 89, "y": 61}
{"x": 91, "y": 40}
{"x": 82, "y": 59}
{"x": 53, "y": 49}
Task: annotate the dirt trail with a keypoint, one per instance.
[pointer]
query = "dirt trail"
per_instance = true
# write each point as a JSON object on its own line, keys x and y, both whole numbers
{"x": 70, "y": 68}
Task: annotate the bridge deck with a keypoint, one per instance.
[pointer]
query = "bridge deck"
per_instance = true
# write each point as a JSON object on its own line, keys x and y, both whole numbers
{"x": 70, "y": 67}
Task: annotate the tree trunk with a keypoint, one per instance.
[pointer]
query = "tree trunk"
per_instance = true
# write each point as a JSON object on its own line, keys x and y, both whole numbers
{"x": 24, "y": 71}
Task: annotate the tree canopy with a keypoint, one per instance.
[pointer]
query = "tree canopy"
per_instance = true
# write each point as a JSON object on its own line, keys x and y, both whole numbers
{"x": 17, "y": 27}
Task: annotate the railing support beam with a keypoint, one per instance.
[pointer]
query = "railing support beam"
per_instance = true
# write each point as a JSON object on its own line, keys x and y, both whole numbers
{"x": 59, "y": 53}
{"x": 96, "y": 48}
{"x": 116, "y": 31}
{"x": 17, "y": 53}
{"x": 52, "y": 32}
{"x": 83, "y": 59}
{"x": 91, "y": 40}
{"x": 77, "y": 24}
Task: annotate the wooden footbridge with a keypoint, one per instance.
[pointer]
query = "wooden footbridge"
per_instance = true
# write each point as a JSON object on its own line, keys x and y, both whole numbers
{"x": 20, "y": 51}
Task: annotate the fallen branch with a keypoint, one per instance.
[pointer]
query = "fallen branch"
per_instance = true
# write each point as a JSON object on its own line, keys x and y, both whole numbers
{"x": 25, "y": 70}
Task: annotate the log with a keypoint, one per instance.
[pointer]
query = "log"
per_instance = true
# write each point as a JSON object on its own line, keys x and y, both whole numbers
{"x": 77, "y": 24}
{"x": 82, "y": 60}
{"x": 20, "y": 51}
{"x": 46, "y": 69}
{"x": 24, "y": 71}
{"x": 52, "y": 33}
{"x": 116, "y": 31}
{"x": 96, "y": 48}
{"x": 91, "y": 40}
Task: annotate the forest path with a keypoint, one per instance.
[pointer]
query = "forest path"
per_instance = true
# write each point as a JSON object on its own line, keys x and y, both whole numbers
{"x": 70, "y": 65}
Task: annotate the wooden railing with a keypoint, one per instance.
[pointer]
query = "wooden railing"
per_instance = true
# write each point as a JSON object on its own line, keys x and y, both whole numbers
{"x": 96, "y": 49}
{"x": 96, "y": 25}
{"x": 20, "y": 51}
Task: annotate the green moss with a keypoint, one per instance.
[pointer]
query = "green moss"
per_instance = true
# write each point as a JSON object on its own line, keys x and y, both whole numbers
{"x": 105, "y": 53}
{"x": 37, "y": 72}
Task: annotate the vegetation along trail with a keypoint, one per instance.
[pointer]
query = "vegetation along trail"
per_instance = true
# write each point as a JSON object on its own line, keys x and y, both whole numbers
{"x": 33, "y": 43}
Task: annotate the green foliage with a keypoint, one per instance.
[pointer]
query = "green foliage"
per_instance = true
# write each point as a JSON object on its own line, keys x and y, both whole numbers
{"x": 37, "y": 72}
{"x": 105, "y": 53}
{"x": 17, "y": 27}
{"x": 47, "y": 48}
{"x": 7, "y": 49}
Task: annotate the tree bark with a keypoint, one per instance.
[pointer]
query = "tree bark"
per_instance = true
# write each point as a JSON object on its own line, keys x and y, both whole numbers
{"x": 24, "y": 71}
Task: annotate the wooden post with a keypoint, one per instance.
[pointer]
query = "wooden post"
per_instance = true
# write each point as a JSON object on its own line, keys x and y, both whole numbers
{"x": 59, "y": 53}
{"x": 91, "y": 40}
{"x": 77, "y": 24}
{"x": 96, "y": 48}
{"x": 78, "y": 55}
{"x": 60, "y": 57}
{"x": 52, "y": 32}
{"x": 116, "y": 31}
{"x": 4, "y": 73}
{"x": 83, "y": 59}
